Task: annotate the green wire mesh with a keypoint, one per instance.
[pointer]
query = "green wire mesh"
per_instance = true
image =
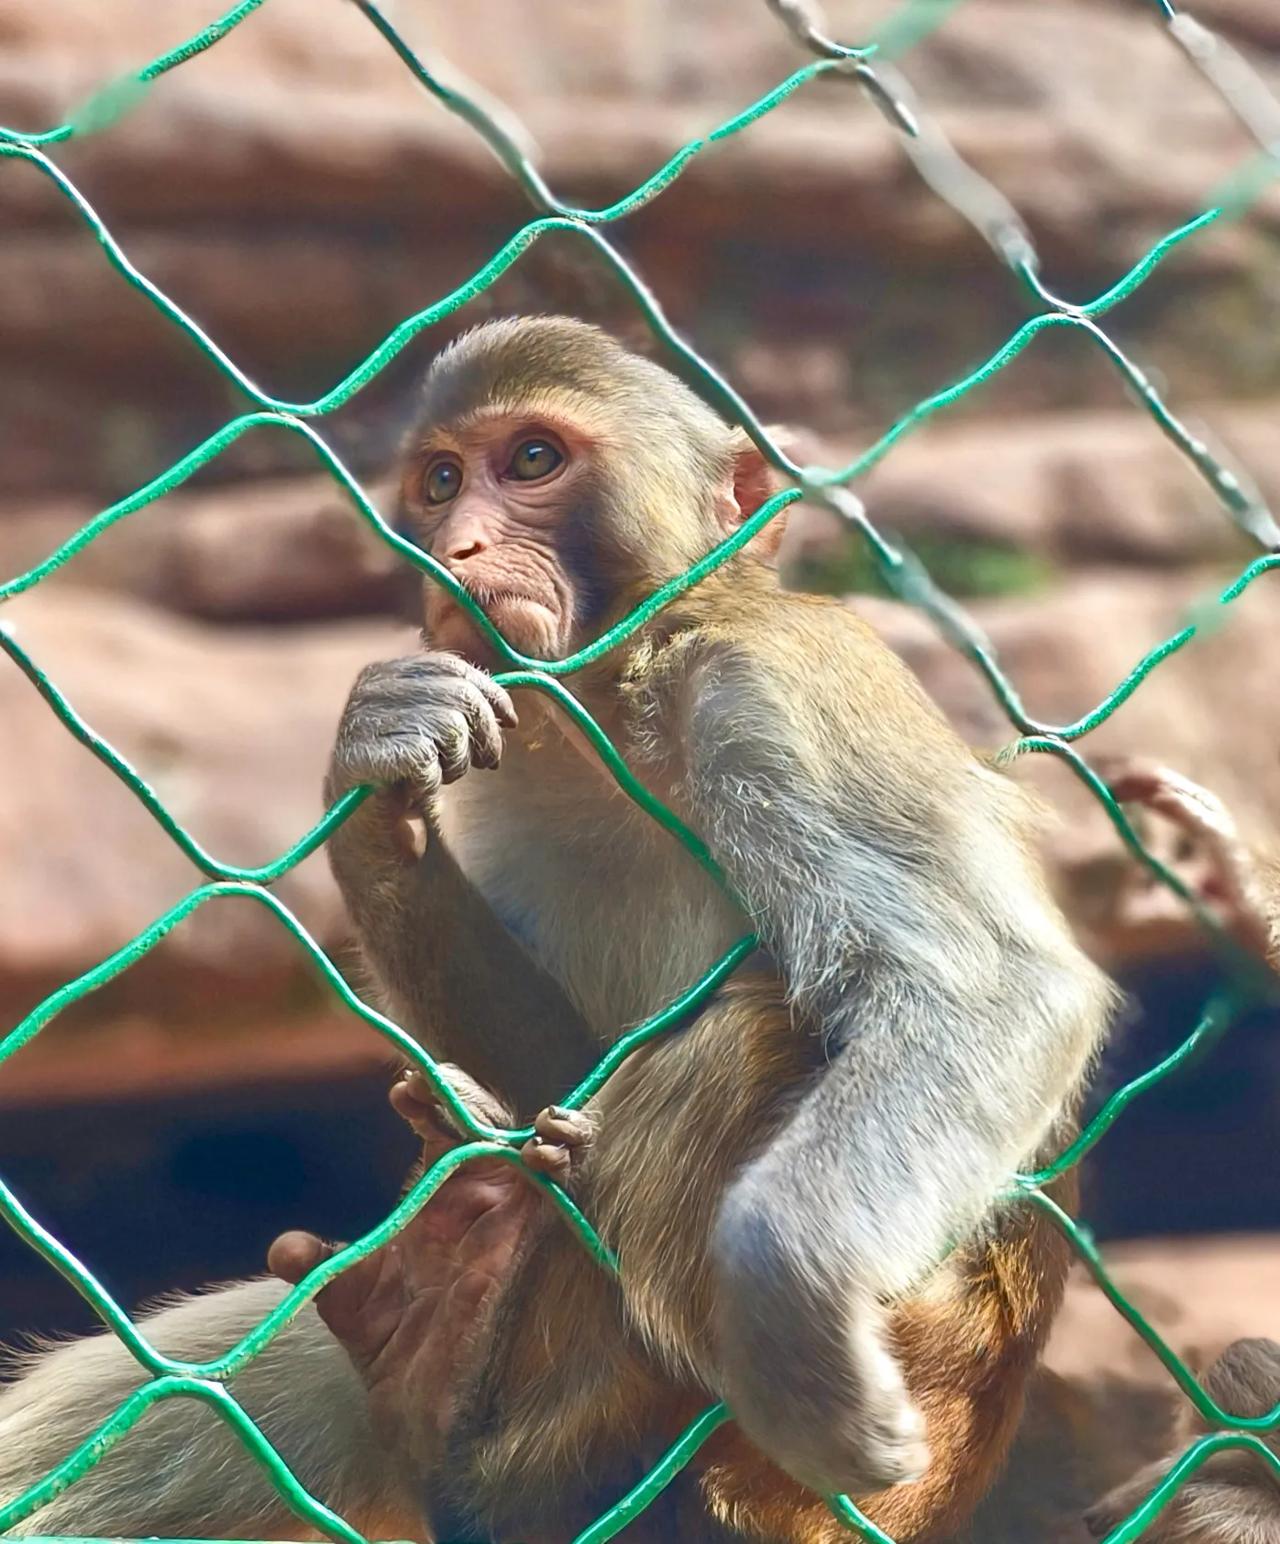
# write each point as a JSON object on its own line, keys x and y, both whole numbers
{"x": 872, "y": 70}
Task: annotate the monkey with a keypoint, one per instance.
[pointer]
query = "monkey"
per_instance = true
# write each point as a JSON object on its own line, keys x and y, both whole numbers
{"x": 1078, "y": 1441}
{"x": 806, "y": 1183}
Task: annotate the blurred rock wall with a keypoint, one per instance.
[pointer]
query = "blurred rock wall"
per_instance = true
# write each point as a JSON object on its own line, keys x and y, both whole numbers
{"x": 298, "y": 196}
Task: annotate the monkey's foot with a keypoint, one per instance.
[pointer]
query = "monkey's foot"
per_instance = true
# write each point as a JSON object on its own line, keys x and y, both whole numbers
{"x": 415, "y": 1100}
{"x": 560, "y": 1140}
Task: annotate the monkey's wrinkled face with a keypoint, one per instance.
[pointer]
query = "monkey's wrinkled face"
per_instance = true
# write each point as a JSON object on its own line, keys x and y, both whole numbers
{"x": 493, "y": 497}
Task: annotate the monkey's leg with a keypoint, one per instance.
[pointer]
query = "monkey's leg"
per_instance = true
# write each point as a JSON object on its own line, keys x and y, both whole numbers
{"x": 677, "y": 1123}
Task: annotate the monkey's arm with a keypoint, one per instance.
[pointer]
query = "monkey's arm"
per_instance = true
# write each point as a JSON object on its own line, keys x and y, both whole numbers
{"x": 448, "y": 970}
{"x": 886, "y": 874}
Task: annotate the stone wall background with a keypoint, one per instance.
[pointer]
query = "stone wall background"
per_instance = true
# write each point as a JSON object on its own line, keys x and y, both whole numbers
{"x": 298, "y": 196}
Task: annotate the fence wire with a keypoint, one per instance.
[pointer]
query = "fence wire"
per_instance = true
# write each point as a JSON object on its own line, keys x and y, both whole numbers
{"x": 871, "y": 69}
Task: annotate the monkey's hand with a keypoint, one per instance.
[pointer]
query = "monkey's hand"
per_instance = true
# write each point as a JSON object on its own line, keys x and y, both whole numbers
{"x": 559, "y": 1143}
{"x": 1195, "y": 835}
{"x": 412, "y": 1317}
{"x": 417, "y": 723}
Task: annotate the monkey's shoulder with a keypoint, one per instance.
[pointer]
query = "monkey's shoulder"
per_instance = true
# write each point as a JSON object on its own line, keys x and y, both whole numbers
{"x": 810, "y": 660}
{"x": 749, "y": 612}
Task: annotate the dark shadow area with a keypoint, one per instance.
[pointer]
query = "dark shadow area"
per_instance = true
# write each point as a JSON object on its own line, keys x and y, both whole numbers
{"x": 162, "y": 1195}
{"x": 1196, "y": 1153}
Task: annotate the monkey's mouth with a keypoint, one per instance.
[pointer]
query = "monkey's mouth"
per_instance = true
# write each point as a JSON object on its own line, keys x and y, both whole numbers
{"x": 496, "y": 603}
{"x": 529, "y": 623}
{"x": 487, "y": 599}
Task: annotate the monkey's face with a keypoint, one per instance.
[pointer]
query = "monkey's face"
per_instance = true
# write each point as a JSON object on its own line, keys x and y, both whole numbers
{"x": 499, "y": 499}
{"x": 560, "y": 479}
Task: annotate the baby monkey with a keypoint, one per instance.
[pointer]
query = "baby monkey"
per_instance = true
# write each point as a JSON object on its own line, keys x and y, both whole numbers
{"x": 804, "y": 1183}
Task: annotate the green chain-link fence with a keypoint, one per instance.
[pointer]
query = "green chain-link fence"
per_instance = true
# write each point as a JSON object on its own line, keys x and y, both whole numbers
{"x": 871, "y": 69}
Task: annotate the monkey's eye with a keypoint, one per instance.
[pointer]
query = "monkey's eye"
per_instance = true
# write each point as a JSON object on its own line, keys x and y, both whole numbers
{"x": 534, "y": 459}
{"x": 442, "y": 481}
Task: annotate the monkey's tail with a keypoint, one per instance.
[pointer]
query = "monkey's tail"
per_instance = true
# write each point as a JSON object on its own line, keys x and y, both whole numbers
{"x": 183, "y": 1472}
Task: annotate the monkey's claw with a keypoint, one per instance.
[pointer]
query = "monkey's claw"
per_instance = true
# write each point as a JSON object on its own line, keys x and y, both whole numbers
{"x": 415, "y": 1100}
{"x": 560, "y": 1139}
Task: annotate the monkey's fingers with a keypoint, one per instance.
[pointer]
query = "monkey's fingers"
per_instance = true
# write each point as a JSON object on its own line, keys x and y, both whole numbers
{"x": 572, "y": 1128}
{"x": 498, "y": 697}
{"x": 414, "y": 1099}
{"x": 1193, "y": 808}
{"x": 1131, "y": 779}
{"x": 295, "y": 1253}
{"x": 418, "y": 722}
{"x": 345, "y": 1303}
{"x": 561, "y": 1139}
{"x": 465, "y": 717}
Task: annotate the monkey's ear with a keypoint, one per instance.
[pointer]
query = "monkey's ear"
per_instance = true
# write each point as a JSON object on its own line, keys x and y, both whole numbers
{"x": 753, "y": 482}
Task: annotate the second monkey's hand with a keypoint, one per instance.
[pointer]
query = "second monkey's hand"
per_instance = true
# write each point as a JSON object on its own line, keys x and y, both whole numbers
{"x": 1196, "y": 835}
{"x": 412, "y": 1316}
{"x": 416, "y": 723}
